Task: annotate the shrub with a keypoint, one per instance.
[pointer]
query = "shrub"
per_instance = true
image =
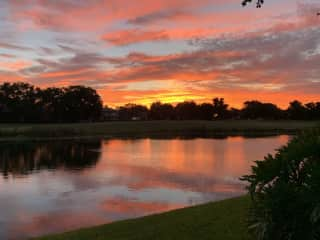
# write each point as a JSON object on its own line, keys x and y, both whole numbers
{"x": 285, "y": 191}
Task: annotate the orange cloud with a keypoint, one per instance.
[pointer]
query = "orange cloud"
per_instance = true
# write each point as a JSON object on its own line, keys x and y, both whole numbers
{"x": 127, "y": 37}
{"x": 228, "y": 51}
{"x": 89, "y": 15}
{"x": 6, "y": 76}
{"x": 15, "y": 66}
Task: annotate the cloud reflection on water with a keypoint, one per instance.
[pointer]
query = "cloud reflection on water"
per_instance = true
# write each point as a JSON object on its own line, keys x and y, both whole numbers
{"x": 93, "y": 183}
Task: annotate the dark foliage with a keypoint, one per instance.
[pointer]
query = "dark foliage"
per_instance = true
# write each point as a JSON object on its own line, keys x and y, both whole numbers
{"x": 285, "y": 189}
{"x": 22, "y": 102}
{"x": 206, "y": 111}
{"x": 297, "y": 111}
{"x": 259, "y": 3}
{"x": 160, "y": 111}
{"x": 81, "y": 103}
{"x": 259, "y": 110}
{"x": 19, "y": 102}
{"x": 186, "y": 111}
{"x": 220, "y": 108}
{"x": 133, "y": 112}
{"x": 313, "y": 110}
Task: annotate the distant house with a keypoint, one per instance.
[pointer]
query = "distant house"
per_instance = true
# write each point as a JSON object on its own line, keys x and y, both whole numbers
{"x": 137, "y": 118}
{"x": 109, "y": 114}
{"x": 133, "y": 112}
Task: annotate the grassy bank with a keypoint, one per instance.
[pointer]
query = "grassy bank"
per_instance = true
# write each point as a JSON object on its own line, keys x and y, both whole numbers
{"x": 225, "y": 220}
{"x": 153, "y": 128}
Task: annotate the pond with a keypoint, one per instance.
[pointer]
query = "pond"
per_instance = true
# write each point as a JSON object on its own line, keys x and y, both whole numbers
{"x": 54, "y": 186}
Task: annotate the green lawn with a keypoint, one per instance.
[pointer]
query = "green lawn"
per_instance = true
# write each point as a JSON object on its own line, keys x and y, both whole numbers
{"x": 224, "y": 220}
{"x": 153, "y": 128}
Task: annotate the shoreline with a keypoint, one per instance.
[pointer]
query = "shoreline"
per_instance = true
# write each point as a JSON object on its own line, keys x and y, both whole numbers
{"x": 152, "y": 129}
{"x": 224, "y": 219}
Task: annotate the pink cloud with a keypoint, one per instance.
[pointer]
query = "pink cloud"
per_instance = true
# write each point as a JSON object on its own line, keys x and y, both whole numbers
{"x": 85, "y": 15}
{"x": 16, "y": 65}
{"x": 126, "y": 37}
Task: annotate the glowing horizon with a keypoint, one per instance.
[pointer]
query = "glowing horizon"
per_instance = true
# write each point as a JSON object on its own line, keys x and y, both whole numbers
{"x": 169, "y": 51}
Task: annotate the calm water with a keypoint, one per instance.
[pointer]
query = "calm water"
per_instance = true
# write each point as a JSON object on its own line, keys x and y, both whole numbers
{"x": 55, "y": 186}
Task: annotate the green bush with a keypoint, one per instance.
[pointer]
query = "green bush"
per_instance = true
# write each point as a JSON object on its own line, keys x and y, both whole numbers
{"x": 285, "y": 191}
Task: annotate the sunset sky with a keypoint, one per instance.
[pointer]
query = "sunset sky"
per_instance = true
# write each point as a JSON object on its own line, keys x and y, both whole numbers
{"x": 141, "y": 51}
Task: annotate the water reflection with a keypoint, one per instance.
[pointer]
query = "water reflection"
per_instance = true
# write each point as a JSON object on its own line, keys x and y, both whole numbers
{"x": 118, "y": 179}
{"x": 22, "y": 158}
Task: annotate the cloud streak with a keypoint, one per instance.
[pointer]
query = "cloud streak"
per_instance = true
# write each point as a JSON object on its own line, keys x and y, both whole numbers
{"x": 127, "y": 37}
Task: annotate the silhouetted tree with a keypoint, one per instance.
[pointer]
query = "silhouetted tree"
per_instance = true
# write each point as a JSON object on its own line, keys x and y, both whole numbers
{"x": 52, "y": 105}
{"x": 297, "y": 111}
{"x": 259, "y": 110}
{"x": 186, "y": 111}
{"x": 81, "y": 103}
{"x": 313, "y": 110}
{"x": 234, "y": 113}
{"x": 220, "y": 108}
{"x": 20, "y": 102}
{"x": 160, "y": 111}
{"x": 206, "y": 111}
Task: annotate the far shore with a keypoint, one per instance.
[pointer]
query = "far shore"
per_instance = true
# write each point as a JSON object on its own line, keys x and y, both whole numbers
{"x": 156, "y": 129}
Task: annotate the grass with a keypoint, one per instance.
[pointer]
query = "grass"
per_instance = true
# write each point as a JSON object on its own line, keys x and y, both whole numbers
{"x": 153, "y": 128}
{"x": 224, "y": 220}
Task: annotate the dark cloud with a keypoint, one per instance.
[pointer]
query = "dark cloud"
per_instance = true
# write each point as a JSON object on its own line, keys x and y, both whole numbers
{"x": 48, "y": 51}
{"x": 34, "y": 70}
{"x": 14, "y": 47}
{"x": 158, "y": 16}
{"x": 5, "y": 55}
{"x": 68, "y": 49}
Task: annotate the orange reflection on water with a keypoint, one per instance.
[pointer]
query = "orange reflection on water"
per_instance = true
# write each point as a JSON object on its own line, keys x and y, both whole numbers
{"x": 133, "y": 207}
{"x": 198, "y": 164}
{"x": 79, "y": 184}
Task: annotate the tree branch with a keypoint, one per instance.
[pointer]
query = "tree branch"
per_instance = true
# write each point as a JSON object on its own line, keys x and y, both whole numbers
{"x": 258, "y": 2}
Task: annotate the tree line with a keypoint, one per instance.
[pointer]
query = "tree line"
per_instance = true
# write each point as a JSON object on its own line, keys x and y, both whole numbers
{"x": 22, "y": 102}
{"x": 217, "y": 110}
